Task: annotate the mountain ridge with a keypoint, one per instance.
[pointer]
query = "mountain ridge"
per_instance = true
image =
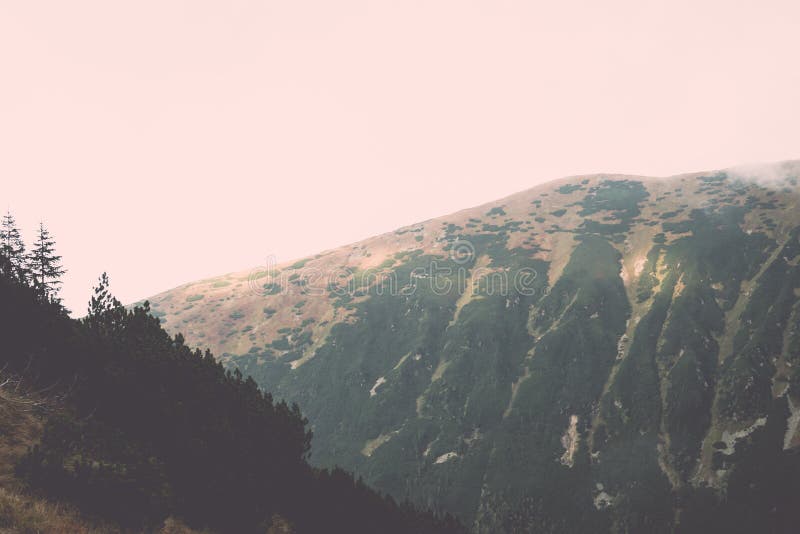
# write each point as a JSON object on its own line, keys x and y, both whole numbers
{"x": 547, "y": 187}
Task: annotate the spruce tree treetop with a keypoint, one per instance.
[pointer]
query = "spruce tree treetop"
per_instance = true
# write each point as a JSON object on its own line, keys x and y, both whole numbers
{"x": 45, "y": 265}
{"x": 13, "y": 248}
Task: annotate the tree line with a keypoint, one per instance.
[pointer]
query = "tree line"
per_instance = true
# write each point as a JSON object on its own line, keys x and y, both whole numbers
{"x": 41, "y": 268}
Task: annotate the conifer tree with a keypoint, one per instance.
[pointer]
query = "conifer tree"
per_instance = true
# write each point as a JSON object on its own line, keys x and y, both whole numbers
{"x": 45, "y": 266}
{"x": 105, "y": 311}
{"x": 102, "y": 301}
{"x": 13, "y": 248}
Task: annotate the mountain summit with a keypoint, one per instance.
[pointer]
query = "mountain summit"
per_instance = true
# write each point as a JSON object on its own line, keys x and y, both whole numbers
{"x": 602, "y": 352}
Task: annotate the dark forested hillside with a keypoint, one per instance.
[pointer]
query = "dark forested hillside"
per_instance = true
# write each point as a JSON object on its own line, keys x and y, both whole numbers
{"x": 139, "y": 427}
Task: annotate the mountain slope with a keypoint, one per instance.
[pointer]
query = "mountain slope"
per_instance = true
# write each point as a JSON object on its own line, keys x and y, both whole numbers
{"x": 604, "y": 351}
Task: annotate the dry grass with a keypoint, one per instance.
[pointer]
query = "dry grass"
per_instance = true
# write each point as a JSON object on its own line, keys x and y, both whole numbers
{"x": 279, "y": 525}
{"x": 176, "y": 526}
{"x": 23, "y": 514}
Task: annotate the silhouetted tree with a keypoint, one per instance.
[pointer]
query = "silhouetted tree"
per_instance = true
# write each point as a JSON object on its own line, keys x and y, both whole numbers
{"x": 105, "y": 311}
{"x": 45, "y": 266}
{"x": 13, "y": 248}
{"x": 102, "y": 300}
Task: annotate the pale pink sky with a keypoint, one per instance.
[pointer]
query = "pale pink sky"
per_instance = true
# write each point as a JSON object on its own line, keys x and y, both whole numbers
{"x": 165, "y": 141}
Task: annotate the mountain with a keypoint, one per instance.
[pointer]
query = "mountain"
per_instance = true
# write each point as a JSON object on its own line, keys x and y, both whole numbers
{"x": 598, "y": 353}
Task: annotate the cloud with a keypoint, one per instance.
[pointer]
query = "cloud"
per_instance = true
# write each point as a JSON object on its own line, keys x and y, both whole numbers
{"x": 766, "y": 174}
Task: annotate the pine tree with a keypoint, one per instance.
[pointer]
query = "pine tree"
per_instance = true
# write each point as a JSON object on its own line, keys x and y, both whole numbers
{"x": 13, "y": 248}
{"x": 45, "y": 266}
{"x": 102, "y": 301}
{"x": 105, "y": 311}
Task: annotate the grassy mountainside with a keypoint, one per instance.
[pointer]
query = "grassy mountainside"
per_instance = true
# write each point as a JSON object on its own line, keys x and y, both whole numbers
{"x": 602, "y": 352}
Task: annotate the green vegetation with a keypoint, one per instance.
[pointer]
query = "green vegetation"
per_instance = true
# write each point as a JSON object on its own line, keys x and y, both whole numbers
{"x": 272, "y": 288}
{"x": 494, "y": 212}
{"x": 299, "y": 264}
{"x": 387, "y": 263}
{"x": 569, "y": 188}
{"x": 622, "y": 197}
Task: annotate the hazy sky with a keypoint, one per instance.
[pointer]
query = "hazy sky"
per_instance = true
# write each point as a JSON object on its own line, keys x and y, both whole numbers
{"x": 166, "y": 141}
